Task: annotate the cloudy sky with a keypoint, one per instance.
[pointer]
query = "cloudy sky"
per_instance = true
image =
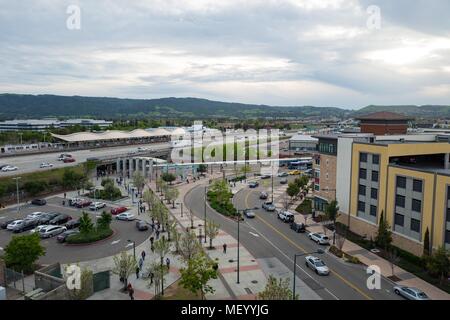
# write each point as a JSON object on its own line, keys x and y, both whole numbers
{"x": 278, "y": 52}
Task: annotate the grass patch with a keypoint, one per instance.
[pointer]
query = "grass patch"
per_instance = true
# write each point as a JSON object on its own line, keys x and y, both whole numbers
{"x": 177, "y": 292}
{"x": 305, "y": 207}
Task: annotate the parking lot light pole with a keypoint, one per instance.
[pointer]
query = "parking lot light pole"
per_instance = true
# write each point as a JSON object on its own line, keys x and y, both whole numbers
{"x": 318, "y": 251}
{"x": 17, "y": 189}
{"x": 134, "y": 248}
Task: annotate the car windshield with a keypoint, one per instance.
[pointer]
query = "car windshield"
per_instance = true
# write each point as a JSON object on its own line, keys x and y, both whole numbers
{"x": 422, "y": 295}
{"x": 319, "y": 263}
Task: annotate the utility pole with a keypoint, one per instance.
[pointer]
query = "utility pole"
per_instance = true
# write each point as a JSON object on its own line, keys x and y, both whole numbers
{"x": 17, "y": 189}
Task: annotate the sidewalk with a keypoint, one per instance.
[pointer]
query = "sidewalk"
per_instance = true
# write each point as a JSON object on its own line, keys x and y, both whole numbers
{"x": 368, "y": 258}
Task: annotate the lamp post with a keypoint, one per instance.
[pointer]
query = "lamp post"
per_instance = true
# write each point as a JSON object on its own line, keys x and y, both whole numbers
{"x": 17, "y": 189}
{"x": 134, "y": 248}
{"x": 319, "y": 251}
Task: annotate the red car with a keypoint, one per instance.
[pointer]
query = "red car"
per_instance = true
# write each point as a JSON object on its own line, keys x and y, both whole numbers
{"x": 83, "y": 204}
{"x": 67, "y": 160}
{"x": 118, "y": 210}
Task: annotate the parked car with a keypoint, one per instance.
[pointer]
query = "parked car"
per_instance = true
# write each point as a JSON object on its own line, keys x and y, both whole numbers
{"x": 9, "y": 168}
{"x": 39, "y": 228}
{"x": 298, "y": 227}
{"x": 268, "y": 206}
{"x": 317, "y": 265}
{"x": 141, "y": 225}
{"x": 266, "y": 176}
{"x": 68, "y": 160}
{"x": 25, "y": 225}
{"x": 51, "y": 231}
{"x": 286, "y": 216}
{"x": 249, "y": 213}
{"x": 72, "y": 224}
{"x": 320, "y": 238}
{"x": 60, "y": 219}
{"x": 83, "y": 203}
{"x": 46, "y": 165}
{"x": 46, "y": 217}
{"x": 34, "y": 215}
{"x": 63, "y": 236}
{"x": 118, "y": 210}
{"x": 283, "y": 181}
{"x": 253, "y": 184}
{"x": 263, "y": 195}
{"x": 97, "y": 205}
{"x": 294, "y": 172}
{"x": 74, "y": 201}
{"x": 410, "y": 293}
{"x": 11, "y": 225}
{"x": 125, "y": 216}
{"x": 5, "y": 224}
{"x": 282, "y": 174}
{"x": 39, "y": 202}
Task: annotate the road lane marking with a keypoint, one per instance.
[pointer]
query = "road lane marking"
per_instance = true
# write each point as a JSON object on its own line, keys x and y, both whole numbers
{"x": 115, "y": 242}
{"x": 129, "y": 245}
{"x": 350, "y": 284}
{"x": 254, "y": 234}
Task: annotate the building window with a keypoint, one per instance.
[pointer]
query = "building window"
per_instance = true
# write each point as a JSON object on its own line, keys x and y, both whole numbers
{"x": 415, "y": 225}
{"x": 417, "y": 185}
{"x": 375, "y": 176}
{"x": 416, "y": 205}
{"x": 361, "y": 206}
{"x": 401, "y": 182}
{"x": 363, "y": 157}
{"x": 374, "y": 193}
{"x": 317, "y": 187}
{"x": 375, "y": 159}
{"x": 399, "y": 219}
{"x": 362, "y": 190}
{"x": 447, "y": 236}
{"x": 373, "y": 211}
{"x": 362, "y": 173}
{"x": 400, "y": 201}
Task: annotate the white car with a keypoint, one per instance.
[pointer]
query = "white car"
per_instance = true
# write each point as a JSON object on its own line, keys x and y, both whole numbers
{"x": 410, "y": 293}
{"x": 13, "y": 224}
{"x": 317, "y": 265}
{"x": 286, "y": 216}
{"x": 34, "y": 215}
{"x": 318, "y": 237}
{"x": 97, "y": 205}
{"x": 39, "y": 228}
{"x": 126, "y": 216}
{"x": 9, "y": 168}
{"x": 51, "y": 231}
{"x": 46, "y": 165}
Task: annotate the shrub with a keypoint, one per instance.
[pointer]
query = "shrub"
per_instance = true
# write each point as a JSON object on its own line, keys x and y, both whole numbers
{"x": 95, "y": 235}
{"x": 334, "y": 250}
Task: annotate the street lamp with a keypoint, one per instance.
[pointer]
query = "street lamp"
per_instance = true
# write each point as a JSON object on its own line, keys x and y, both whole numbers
{"x": 318, "y": 251}
{"x": 238, "y": 219}
{"x": 17, "y": 188}
{"x": 134, "y": 248}
{"x": 206, "y": 190}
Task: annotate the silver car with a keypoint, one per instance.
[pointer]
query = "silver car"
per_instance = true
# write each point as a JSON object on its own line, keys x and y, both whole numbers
{"x": 317, "y": 265}
{"x": 51, "y": 231}
{"x": 410, "y": 293}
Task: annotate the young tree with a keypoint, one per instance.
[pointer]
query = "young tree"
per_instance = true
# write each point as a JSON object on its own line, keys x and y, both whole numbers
{"x": 212, "y": 230}
{"x": 171, "y": 229}
{"x": 332, "y": 213}
{"x": 138, "y": 180}
{"x": 168, "y": 177}
{"x": 439, "y": 264}
{"x": 276, "y": 289}
{"x": 292, "y": 190}
{"x": 384, "y": 235}
{"x": 171, "y": 195}
{"x": 393, "y": 259}
{"x": 23, "y": 251}
{"x": 124, "y": 266}
{"x": 162, "y": 248}
{"x": 340, "y": 240}
{"x": 189, "y": 245}
{"x": 86, "y": 225}
{"x": 149, "y": 197}
{"x": 104, "y": 221}
{"x": 202, "y": 168}
{"x": 159, "y": 271}
{"x": 426, "y": 244}
{"x": 199, "y": 271}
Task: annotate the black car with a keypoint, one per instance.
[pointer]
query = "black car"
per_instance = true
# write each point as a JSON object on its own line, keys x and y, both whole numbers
{"x": 39, "y": 202}
{"x": 72, "y": 224}
{"x": 253, "y": 184}
{"x": 46, "y": 217}
{"x": 4, "y": 224}
{"x": 60, "y": 219}
{"x": 63, "y": 236}
{"x": 141, "y": 225}
{"x": 298, "y": 227}
{"x": 266, "y": 176}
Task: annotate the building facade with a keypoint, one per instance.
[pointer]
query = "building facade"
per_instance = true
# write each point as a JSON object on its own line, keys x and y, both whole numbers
{"x": 44, "y": 124}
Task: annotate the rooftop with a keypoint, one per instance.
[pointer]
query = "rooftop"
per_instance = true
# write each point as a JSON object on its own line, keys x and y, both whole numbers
{"x": 384, "y": 115}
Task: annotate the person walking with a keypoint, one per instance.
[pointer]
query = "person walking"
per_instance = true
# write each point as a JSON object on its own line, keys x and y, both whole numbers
{"x": 65, "y": 195}
{"x": 152, "y": 248}
{"x": 157, "y": 234}
{"x": 141, "y": 262}
{"x": 137, "y": 272}
{"x": 153, "y": 226}
{"x": 143, "y": 255}
{"x": 151, "y": 240}
{"x": 168, "y": 263}
{"x": 224, "y": 248}
{"x": 130, "y": 291}
{"x": 151, "y": 277}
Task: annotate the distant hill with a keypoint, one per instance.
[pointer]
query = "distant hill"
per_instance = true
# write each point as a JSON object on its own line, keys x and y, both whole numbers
{"x": 13, "y": 106}
{"x": 38, "y": 106}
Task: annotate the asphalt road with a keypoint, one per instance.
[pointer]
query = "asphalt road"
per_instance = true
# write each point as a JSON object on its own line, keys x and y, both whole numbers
{"x": 30, "y": 163}
{"x": 64, "y": 253}
{"x": 266, "y": 237}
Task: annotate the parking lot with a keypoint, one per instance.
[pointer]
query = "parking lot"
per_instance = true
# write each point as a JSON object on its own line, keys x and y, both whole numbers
{"x": 61, "y": 252}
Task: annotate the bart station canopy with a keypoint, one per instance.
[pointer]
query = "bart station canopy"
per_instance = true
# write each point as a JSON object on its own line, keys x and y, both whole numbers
{"x": 116, "y": 135}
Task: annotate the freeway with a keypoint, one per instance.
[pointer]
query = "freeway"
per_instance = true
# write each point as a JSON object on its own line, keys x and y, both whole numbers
{"x": 267, "y": 237}
{"x": 30, "y": 163}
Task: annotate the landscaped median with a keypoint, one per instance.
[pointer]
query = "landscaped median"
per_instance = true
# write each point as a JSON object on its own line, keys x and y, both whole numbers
{"x": 89, "y": 232}
{"x": 219, "y": 198}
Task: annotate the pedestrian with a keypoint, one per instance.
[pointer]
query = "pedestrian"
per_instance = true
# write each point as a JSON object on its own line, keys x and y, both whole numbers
{"x": 64, "y": 202}
{"x": 151, "y": 277}
{"x": 168, "y": 263}
{"x": 157, "y": 234}
{"x": 137, "y": 272}
{"x": 151, "y": 240}
{"x": 141, "y": 262}
{"x": 143, "y": 255}
{"x": 131, "y": 292}
{"x": 153, "y": 226}
{"x": 152, "y": 248}
{"x": 153, "y": 221}
{"x": 224, "y": 248}
{"x": 65, "y": 195}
